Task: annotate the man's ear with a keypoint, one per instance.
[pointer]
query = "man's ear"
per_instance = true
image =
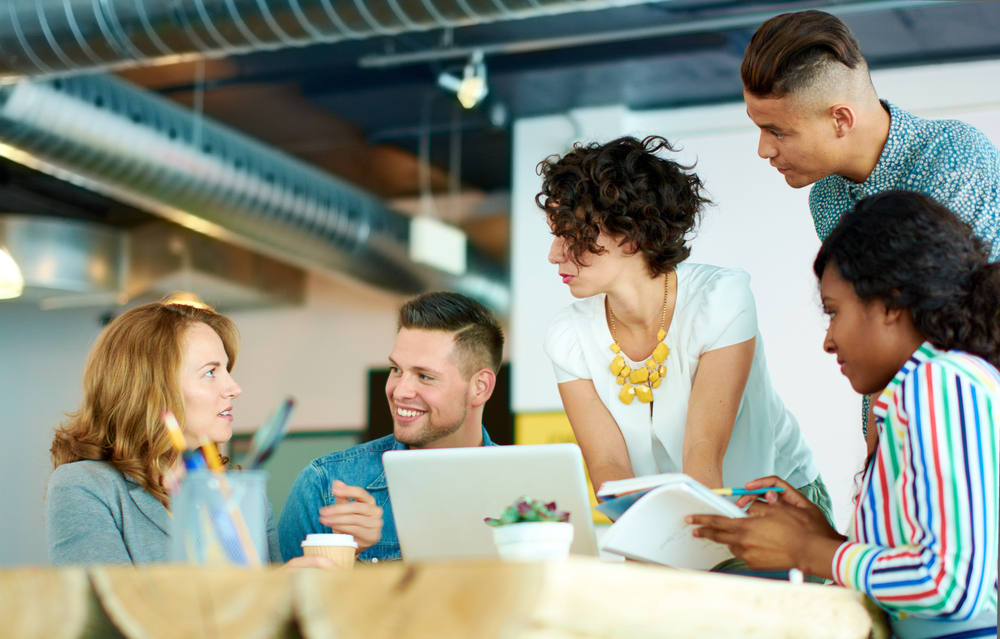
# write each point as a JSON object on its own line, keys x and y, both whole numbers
{"x": 844, "y": 119}
{"x": 481, "y": 386}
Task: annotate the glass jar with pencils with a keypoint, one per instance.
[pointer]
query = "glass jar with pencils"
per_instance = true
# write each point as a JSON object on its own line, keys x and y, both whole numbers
{"x": 220, "y": 518}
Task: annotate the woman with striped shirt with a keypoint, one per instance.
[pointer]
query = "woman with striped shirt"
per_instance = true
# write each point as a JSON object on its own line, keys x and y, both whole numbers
{"x": 914, "y": 310}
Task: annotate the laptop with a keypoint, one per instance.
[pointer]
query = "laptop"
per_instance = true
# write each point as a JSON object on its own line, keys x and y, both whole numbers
{"x": 440, "y": 497}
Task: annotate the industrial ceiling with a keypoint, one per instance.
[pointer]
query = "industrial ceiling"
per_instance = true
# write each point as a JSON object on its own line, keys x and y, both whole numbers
{"x": 365, "y": 105}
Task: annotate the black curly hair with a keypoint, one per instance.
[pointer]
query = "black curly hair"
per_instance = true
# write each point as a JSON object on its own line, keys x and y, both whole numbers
{"x": 624, "y": 189}
{"x": 908, "y": 251}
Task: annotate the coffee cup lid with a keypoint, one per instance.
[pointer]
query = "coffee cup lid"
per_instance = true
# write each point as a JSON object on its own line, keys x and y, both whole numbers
{"x": 329, "y": 539}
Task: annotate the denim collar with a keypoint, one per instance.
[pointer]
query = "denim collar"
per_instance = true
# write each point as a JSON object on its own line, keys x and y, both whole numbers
{"x": 380, "y": 483}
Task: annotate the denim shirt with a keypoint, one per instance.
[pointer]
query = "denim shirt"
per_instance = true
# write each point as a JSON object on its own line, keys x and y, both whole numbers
{"x": 359, "y": 465}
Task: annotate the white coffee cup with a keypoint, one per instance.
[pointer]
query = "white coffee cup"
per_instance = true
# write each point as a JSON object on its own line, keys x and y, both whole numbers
{"x": 340, "y": 548}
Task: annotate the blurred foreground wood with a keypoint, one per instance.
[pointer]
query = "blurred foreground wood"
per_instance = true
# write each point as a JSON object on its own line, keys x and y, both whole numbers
{"x": 40, "y": 603}
{"x": 166, "y": 602}
{"x": 581, "y": 598}
{"x": 571, "y": 600}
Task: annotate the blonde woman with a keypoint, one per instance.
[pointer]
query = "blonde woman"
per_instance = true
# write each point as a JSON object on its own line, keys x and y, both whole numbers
{"x": 106, "y": 500}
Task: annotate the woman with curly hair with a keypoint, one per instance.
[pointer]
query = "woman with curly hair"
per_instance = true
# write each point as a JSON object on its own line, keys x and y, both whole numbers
{"x": 106, "y": 499}
{"x": 660, "y": 365}
{"x": 914, "y": 308}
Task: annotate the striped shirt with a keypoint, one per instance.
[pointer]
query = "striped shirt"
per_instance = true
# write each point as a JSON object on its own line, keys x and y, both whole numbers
{"x": 923, "y": 538}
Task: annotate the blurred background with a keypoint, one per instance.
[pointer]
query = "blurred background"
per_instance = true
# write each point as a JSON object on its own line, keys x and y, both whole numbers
{"x": 307, "y": 165}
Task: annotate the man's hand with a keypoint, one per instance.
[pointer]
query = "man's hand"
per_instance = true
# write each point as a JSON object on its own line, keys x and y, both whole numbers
{"x": 354, "y": 512}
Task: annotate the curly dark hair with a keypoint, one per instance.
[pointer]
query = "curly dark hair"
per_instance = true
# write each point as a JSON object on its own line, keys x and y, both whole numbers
{"x": 625, "y": 190}
{"x": 908, "y": 251}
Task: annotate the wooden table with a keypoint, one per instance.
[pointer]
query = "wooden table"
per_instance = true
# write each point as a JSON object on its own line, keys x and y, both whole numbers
{"x": 579, "y": 598}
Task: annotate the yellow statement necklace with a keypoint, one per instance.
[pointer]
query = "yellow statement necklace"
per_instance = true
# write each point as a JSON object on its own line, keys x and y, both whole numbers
{"x": 641, "y": 381}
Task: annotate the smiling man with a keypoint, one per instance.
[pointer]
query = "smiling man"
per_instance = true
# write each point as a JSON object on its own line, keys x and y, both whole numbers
{"x": 808, "y": 89}
{"x": 443, "y": 369}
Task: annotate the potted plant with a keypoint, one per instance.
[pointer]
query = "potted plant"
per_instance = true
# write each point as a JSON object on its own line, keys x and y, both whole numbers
{"x": 531, "y": 530}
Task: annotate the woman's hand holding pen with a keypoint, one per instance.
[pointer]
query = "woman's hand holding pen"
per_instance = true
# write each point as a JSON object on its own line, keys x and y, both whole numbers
{"x": 784, "y": 530}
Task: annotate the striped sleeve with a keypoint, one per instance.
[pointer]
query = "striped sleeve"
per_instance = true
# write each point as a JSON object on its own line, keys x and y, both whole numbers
{"x": 946, "y": 493}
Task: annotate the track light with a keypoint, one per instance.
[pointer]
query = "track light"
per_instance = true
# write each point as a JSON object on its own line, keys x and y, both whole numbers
{"x": 471, "y": 88}
{"x": 11, "y": 281}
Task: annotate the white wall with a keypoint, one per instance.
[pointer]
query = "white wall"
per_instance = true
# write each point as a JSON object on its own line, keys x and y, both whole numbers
{"x": 759, "y": 224}
{"x": 41, "y": 364}
{"x": 319, "y": 353}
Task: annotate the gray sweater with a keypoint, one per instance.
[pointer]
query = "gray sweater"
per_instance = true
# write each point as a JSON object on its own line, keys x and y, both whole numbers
{"x": 96, "y": 515}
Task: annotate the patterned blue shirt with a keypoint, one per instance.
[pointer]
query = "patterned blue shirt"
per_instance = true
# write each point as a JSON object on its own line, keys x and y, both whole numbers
{"x": 950, "y": 161}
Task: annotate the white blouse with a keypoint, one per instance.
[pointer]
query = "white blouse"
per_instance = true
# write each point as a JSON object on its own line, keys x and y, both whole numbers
{"x": 714, "y": 308}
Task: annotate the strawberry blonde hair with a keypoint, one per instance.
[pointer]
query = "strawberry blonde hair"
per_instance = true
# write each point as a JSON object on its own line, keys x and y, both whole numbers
{"x": 131, "y": 377}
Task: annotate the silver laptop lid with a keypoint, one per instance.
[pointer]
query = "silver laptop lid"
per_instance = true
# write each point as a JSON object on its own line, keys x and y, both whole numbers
{"x": 440, "y": 497}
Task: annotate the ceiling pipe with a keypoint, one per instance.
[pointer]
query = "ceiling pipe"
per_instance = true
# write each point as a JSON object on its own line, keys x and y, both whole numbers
{"x": 106, "y": 135}
{"x": 673, "y": 28}
{"x": 61, "y": 37}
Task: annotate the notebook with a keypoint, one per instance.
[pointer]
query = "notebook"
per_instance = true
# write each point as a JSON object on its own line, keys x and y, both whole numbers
{"x": 650, "y": 525}
{"x": 440, "y": 497}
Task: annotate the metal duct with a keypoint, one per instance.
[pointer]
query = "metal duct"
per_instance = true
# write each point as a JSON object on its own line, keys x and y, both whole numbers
{"x": 39, "y": 37}
{"x": 70, "y": 263}
{"x": 106, "y": 135}
{"x": 57, "y": 255}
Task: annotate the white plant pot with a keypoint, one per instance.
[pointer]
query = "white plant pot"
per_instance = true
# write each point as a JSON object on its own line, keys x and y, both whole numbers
{"x": 534, "y": 541}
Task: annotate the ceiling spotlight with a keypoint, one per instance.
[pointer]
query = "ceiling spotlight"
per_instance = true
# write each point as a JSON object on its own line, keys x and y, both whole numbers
{"x": 471, "y": 88}
{"x": 11, "y": 281}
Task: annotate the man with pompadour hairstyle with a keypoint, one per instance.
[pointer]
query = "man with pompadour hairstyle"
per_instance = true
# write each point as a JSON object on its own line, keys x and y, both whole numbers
{"x": 808, "y": 89}
{"x": 442, "y": 370}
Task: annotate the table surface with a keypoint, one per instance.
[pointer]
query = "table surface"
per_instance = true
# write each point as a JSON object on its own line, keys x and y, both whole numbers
{"x": 580, "y": 597}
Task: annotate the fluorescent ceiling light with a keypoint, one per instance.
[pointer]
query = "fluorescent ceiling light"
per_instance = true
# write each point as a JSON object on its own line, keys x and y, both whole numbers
{"x": 437, "y": 244}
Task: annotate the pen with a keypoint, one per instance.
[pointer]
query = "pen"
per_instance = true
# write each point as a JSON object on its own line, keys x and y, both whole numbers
{"x": 211, "y": 453}
{"x": 176, "y": 434}
{"x": 726, "y": 492}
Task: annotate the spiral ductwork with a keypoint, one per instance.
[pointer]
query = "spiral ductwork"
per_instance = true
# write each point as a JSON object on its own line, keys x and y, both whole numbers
{"x": 45, "y": 37}
{"x": 104, "y": 134}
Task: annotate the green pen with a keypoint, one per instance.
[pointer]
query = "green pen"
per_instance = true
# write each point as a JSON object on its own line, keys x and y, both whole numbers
{"x": 734, "y": 492}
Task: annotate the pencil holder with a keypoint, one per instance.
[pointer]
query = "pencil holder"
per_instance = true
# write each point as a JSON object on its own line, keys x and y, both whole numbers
{"x": 221, "y": 519}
